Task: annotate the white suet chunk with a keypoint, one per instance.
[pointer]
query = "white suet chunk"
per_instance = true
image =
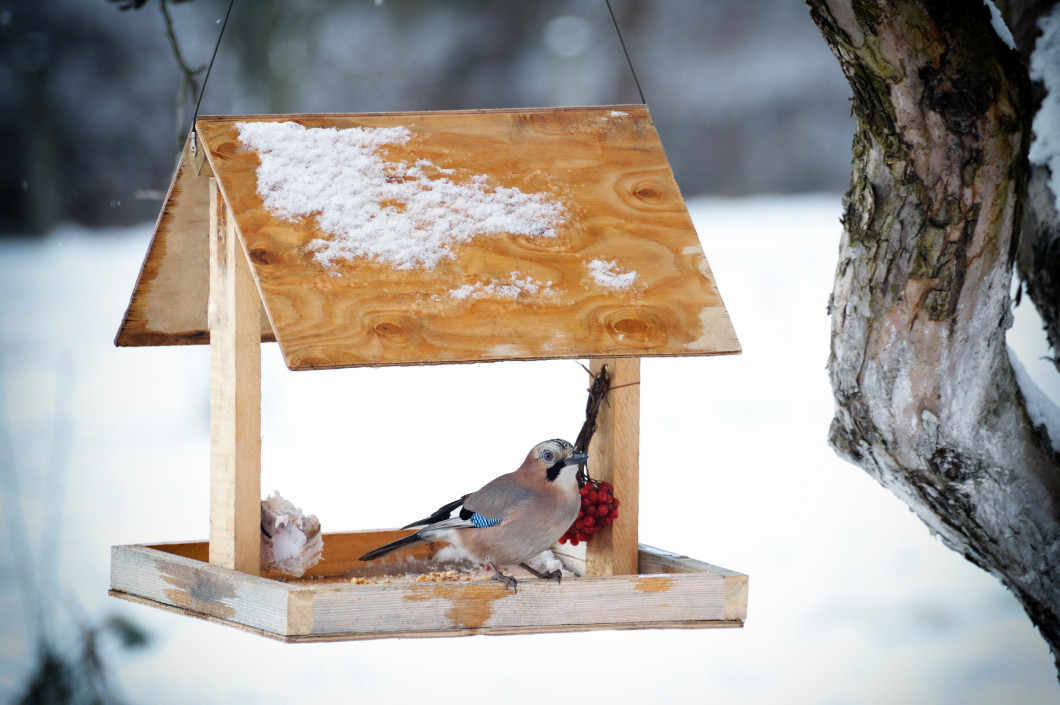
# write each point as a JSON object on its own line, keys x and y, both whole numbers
{"x": 290, "y": 542}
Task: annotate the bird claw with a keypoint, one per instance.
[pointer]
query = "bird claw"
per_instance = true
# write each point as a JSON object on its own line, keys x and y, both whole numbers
{"x": 509, "y": 581}
{"x": 551, "y": 575}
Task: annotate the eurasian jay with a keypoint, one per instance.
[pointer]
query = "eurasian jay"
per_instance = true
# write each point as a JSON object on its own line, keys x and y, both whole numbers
{"x": 513, "y": 517}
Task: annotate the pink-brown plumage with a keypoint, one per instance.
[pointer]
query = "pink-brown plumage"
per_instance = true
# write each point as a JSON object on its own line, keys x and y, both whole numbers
{"x": 512, "y": 518}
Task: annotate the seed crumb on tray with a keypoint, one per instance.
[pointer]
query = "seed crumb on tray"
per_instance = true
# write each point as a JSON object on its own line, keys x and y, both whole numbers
{"x": 458, "y": 574}
{"x": 432, "y": 577}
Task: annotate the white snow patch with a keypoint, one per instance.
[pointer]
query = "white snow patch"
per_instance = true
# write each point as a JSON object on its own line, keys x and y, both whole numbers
{"x": 546, "y": 562}
{"x": 1045, "y": 67}
{"x": 409, "y": 216}
{"x": 607, "y": 275}
{"x": 503, "y": 350}
{"x": 62, "y": 292}
{"x": 497, "y": 288}
{"x": 451, "y": 553}
{"x": 1042, "y": 410}
{"x": 999, "y": 25}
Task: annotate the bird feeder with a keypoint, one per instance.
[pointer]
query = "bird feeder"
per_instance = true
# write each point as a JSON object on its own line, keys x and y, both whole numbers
{"x": 414, "y": 239}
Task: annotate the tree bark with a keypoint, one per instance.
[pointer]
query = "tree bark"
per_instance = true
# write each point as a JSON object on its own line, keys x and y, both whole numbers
{"x": 926, "y": 398}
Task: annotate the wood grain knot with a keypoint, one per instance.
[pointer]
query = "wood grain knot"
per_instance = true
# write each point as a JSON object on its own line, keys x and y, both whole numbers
{"x": 647, "y": 191}
{"x": 565, "y": 241}
{"x": 530, "y": 117}
{"x": 260, "y": 256}
{"x": 226, "y": 150}
{"x": 635, "y": 328}
{"x": 394, "y": 330}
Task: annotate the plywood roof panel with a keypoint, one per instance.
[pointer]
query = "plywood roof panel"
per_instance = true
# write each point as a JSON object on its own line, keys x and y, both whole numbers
{"x": 168, "y": 305}
{"x": 495, "y": 296}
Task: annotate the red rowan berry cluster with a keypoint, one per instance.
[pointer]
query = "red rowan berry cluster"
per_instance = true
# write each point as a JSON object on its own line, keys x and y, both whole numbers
{"x": 599, "y": 509}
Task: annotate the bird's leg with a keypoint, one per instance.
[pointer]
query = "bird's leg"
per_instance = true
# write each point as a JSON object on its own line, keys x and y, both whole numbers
{"x": 509, "y": 581}
{"x": 552, "y": 575}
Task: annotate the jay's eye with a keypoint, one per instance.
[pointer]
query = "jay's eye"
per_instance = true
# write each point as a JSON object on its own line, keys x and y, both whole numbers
{"x": 547, "y": 456}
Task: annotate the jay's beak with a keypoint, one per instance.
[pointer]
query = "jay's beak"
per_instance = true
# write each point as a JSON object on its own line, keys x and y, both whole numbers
{"x": 577, "y": 459}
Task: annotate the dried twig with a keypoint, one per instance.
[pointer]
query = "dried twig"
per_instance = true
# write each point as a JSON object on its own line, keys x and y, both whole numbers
{"x": 598, "y": 391}
{"x": 189, "y": 85}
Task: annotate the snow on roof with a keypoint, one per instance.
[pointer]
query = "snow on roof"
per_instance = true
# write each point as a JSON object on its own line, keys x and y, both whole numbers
{"x": 607, "y": 275}
{"x": 408, "y": 215}
{"x": 438, "y": 237}
{"x": 501, "y": 289}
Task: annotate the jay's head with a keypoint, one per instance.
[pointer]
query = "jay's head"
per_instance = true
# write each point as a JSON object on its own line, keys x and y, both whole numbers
{"x": 552, "y": 457}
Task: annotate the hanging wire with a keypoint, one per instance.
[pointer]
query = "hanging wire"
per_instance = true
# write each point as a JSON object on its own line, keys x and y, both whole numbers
{"x": 621, "y": 41}
{"x": 209, "y": 68}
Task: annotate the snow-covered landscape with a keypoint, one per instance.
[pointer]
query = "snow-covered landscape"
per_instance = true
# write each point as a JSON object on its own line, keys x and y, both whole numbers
{"x": 851, "y": 599}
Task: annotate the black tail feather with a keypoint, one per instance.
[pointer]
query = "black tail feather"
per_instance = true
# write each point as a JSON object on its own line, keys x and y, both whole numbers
{"x": 440, "y": 515}
{"x": 411, "y": 540}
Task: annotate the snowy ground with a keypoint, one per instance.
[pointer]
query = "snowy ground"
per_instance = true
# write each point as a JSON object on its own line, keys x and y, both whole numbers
{"x": 851, "y": 600}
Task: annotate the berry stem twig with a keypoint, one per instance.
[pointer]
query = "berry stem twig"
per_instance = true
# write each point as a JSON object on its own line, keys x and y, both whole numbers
{"x": 598, "y": 389}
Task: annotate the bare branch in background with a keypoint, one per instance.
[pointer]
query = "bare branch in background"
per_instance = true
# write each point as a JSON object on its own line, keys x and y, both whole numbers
{"x": 189, "y": 85}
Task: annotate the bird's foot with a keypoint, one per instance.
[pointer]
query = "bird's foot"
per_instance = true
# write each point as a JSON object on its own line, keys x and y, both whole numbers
{"x": 509, "y": 581}
{"x": 551, "y": 575}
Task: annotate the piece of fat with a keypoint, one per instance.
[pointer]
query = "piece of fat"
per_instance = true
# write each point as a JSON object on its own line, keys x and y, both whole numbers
{"x": 291, "y": 543}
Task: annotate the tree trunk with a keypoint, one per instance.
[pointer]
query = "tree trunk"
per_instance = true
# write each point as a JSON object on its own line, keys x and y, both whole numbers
{"x": 1038, "y": 264}
{"x": 926, "y": 399}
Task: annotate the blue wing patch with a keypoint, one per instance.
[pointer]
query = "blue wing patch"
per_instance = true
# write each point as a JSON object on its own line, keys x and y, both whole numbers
{"x": 484, "y": 522}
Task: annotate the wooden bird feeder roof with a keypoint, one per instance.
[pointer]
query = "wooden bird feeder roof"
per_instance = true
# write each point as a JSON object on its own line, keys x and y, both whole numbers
{"x": 421, "y": 238}
{"x": 619, "y": 270}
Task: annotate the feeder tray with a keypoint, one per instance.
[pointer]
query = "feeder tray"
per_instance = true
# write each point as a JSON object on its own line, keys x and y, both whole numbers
{"x": 226, "y": 268}
{"x": 669, "y": 591}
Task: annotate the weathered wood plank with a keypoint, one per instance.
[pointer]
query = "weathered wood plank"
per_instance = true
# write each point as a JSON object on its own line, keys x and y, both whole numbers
{"x": 687, "y": 594}
{"x": 655, "y": 560}
{"x": 195, "y": 153}
{"x": 435, "y": 634}
{"x": 169, "y": 302}
{"x": 199, "y": 587}
{"x": 340, "y": 555}
{"x": 401, "y": 608}
{"x": 614, "y": 457}
{"x": 235, "y": 399}
{"x": 606, "y": 166}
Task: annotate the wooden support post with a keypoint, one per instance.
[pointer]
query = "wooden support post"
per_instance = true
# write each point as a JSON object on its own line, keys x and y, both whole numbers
{"x": 235, "y": 398}
{"x": 614, "y": 456}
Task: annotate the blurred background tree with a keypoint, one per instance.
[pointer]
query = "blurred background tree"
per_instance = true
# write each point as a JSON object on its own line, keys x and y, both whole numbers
{"x": 746, "y": 96}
